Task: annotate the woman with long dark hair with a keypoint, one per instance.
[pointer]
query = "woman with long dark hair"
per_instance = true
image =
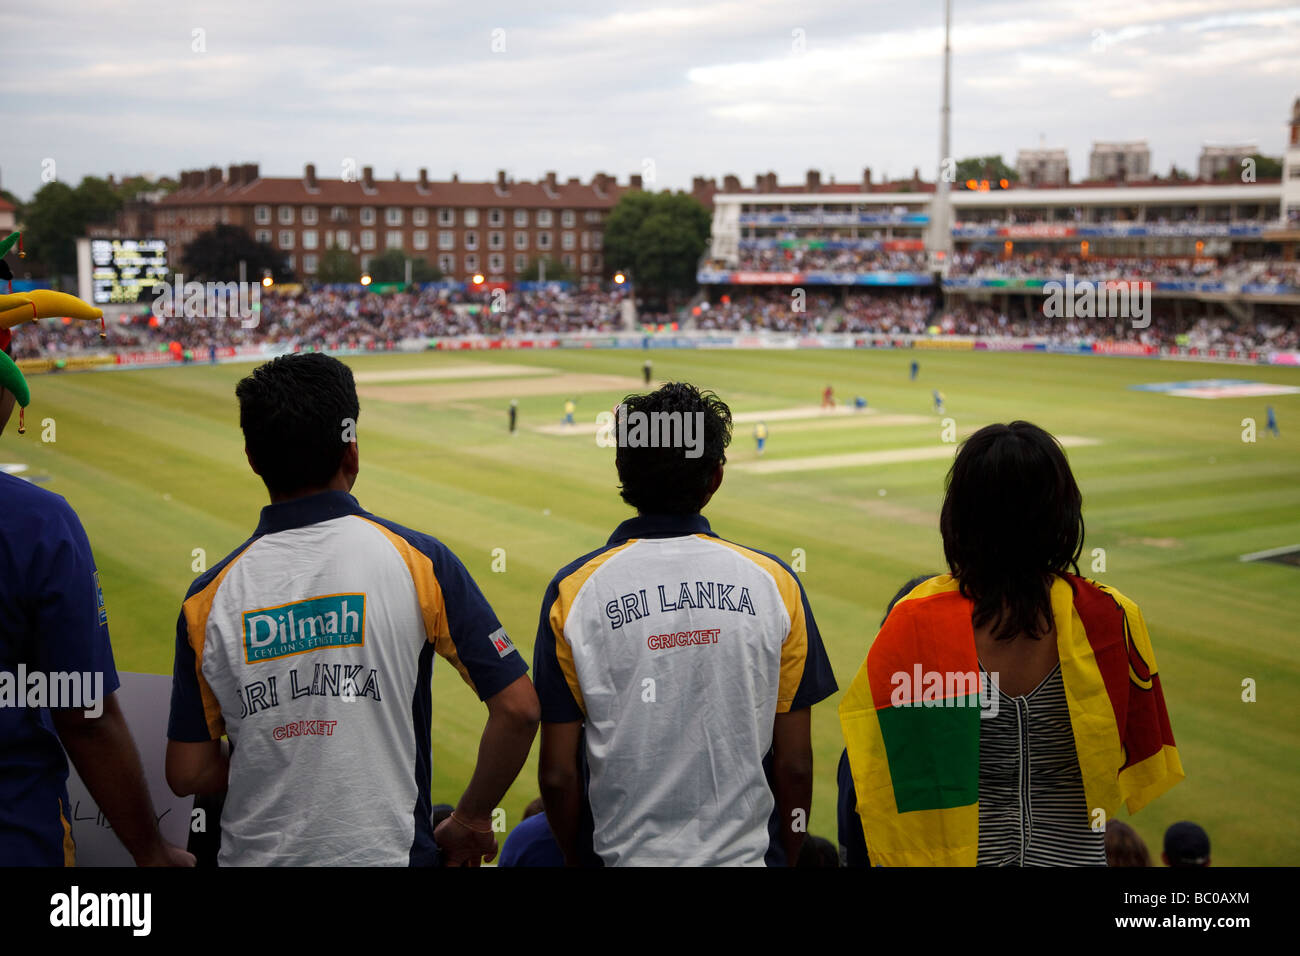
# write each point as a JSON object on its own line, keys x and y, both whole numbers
{"x": 1006, "y": 709}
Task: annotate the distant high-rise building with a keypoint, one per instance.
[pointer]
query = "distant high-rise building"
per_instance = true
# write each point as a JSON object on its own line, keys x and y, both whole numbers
{"x": 1043, "y": 167}
{"x": 1218, "y": 159}
{"x": 1122, "y": 162}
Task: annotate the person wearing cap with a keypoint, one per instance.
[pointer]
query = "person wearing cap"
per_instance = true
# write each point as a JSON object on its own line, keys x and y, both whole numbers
{"x": 54, "y": 625}
{"x": 1186, "y": 845}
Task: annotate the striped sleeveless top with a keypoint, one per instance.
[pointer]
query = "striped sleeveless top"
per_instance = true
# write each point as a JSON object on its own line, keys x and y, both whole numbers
{"x": 1032, "y": 808}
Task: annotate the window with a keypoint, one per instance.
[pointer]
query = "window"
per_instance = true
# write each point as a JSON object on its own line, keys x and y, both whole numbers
{"x": 591, "y": 216}
{"x": 586, "y": 240}
{"x": 543, "y": 240}
{"x": 446, "y": 217}
{"x": 286, "y": 238}
{"x": 447, "y": 264}
{"x": 309, "y": 238}
{"x": 595, "y": 261}
{"x": 521, "y": 263}
{"x": 471, "y": 217}
{"x": 393, "y": 239}
{"x": 471, "y": 240}
{"x": 367, "y": 216}
{"x": 543, "y": 217}
{"x": 446, "y": 239}
{"x": 421, "y": 239}
{"x": 521, "y": 240}
{"x": 420, "y": 217}
{"x": 393, "y": 216}
{"x": 568, "y": 261}
{"x": 496, "y": 217}
{"x": 496, "y": 240}
{"x": 596, "y": 238}
{"x": 339, "y": 214}
{"x": 309, "y": 215}
{"x": 471, "y": 263}
{"x": 342, "y": 239}
{"x": 309, "y": 264}
{"x": 263, "y": 235}
{"x": 262, "y": 215}
{"x": 586, "y": 262}
{"x": 365, "y": 263}
{"x": 286, "y": 215}
{"x": 367, "y": 238}
{"x": 521, "y": 217}
{"x": 566, "y": 240}
{"x": 567, "y": 218}
{"x": 496, "y": 262}
{"x": 290, "y": 261}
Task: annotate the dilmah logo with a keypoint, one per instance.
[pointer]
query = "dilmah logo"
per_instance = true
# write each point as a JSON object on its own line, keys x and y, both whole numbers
{"x": 209, "y": 300}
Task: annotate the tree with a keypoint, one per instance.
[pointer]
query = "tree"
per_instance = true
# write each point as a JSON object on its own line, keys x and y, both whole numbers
{"x": 214, "y": 256}
{"x": 991, "y": 168}
{"x": 555, "y": 271}
{"x": 390, "y": 266}
{"x": 58, "y": 215}
{"x": 1266, "y": 167}
{"x": 660, "y": 237}
{"x": 338, "y": 265}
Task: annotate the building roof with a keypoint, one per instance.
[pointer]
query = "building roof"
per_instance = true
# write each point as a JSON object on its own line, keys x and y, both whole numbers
{"x": 336, "y": 192}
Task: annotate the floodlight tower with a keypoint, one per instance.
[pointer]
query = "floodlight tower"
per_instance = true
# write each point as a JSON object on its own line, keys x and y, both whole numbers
{"x": 940, "y": 244}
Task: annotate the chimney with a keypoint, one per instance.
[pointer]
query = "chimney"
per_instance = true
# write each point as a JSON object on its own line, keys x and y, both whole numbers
{"x": 866, "y": 177}
{"x": 368, "y": 178}
{"x": 550, "y": 182}
{"x": 501, "y": 182}
{"x": 731, "y": 183}
{"x": 599, "y": 182}
{"x": 397, "y": 176}
{"x": 634, "y": 181}
{"x": 309, "y": 177}
{"x": 575, "y": 181}
{"x": 916, "y": 176}
{"x": 213, "y": 177}
{"x": 455, "y": 177}
{"x": 235, "y": 175}
{"x": 814, "y": 180}
{"x": 424, "y": 180}
{"x": 250, "y": 173}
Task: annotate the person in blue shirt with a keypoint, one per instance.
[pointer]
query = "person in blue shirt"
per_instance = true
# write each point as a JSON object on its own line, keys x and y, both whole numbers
{"x": 1272, "y": 421}
{"x": 532, "y": 843}
{"x": 916, "y": 367}
{"x": 58, "y": 682}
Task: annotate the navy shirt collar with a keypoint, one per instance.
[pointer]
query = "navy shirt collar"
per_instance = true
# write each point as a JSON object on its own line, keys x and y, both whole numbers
{"x": 298, "y": 512}
{"x": 660, "y": 526}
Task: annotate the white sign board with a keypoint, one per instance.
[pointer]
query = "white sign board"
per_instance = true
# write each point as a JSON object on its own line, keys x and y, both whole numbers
{"x": 145, "y": 700}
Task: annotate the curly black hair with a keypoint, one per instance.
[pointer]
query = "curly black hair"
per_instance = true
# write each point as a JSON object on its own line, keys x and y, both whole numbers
{"x": 675, "y": 479}
{"x": 1012, "y": 520}
{"x": 293, "y": 411}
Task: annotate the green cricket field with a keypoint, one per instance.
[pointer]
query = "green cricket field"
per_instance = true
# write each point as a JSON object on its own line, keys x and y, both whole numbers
{"x": 1176, "y": 490}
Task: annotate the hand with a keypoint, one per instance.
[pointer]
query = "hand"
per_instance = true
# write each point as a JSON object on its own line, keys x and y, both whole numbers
{"x": 462, "y": 846}
{"x": 166, "y": 855}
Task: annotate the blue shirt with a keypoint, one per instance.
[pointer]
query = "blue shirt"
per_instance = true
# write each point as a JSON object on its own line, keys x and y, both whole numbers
{"x": 532, "y": 844}
{"x": 52, "y": 621}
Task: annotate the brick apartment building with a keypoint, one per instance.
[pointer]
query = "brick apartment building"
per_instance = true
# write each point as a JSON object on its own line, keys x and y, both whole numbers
{"x": 464, "y": 228}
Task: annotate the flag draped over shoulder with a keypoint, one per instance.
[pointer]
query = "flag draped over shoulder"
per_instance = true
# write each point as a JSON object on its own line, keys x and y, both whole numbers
{"x": 911, "y": 718}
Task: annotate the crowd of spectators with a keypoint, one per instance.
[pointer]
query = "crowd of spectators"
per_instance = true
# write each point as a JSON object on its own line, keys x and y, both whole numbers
{"x": 811, "y": 259}
{"x": 332, "y": 318}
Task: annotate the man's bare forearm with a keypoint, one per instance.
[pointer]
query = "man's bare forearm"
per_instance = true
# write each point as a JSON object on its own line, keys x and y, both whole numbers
{"x": 504, "y": 747}
{"x": 104, "y": 754}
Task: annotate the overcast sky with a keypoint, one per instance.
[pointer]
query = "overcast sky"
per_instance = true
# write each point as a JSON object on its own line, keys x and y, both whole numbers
{"x": 699, "y": 87}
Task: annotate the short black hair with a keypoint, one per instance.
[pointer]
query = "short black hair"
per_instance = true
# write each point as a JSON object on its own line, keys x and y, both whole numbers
{"x": 1012, "y": 520}
{"x": 294, "y": 412}
{"x": 664, "y": 480}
